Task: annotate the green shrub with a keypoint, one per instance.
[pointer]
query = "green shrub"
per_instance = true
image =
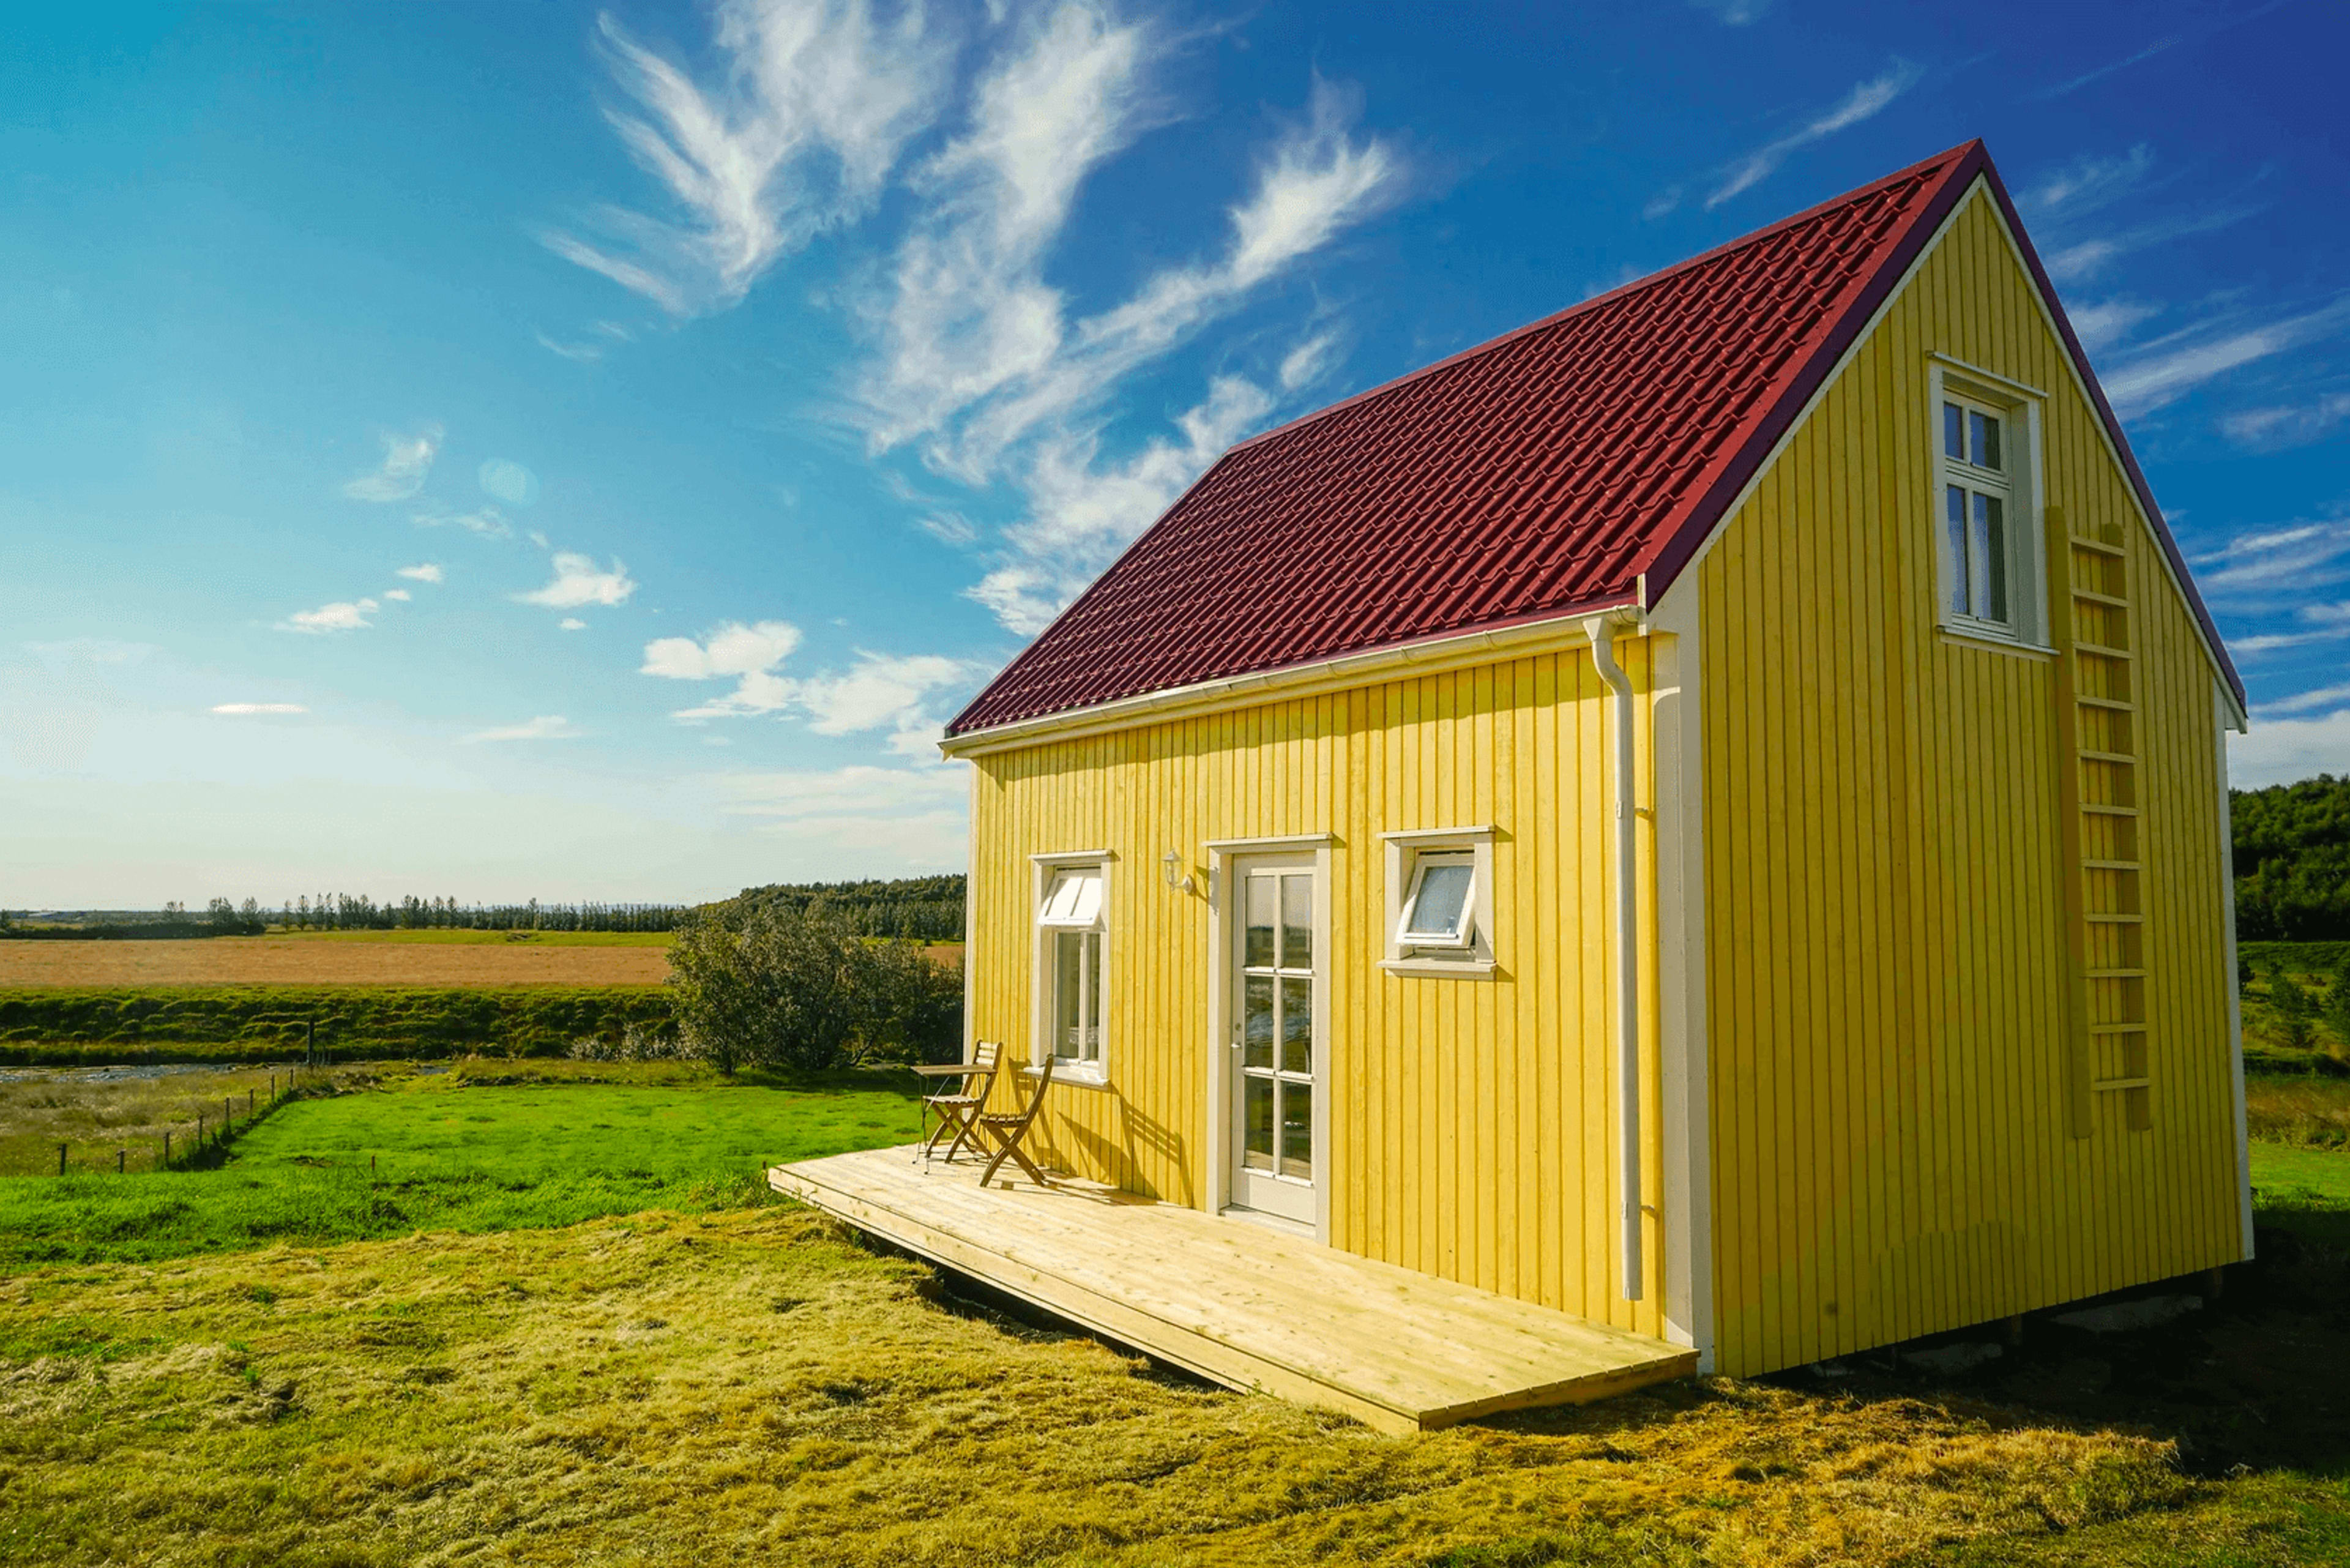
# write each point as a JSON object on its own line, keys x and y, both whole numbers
{"x": 757, "y": 984}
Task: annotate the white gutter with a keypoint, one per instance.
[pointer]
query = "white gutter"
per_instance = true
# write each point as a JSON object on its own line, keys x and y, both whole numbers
{"x": 1601, "y": 631}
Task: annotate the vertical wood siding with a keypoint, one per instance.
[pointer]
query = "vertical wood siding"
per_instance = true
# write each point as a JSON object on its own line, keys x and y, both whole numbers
{"x": 1471, "y": 1122}
{"x": 1887, "y": 959}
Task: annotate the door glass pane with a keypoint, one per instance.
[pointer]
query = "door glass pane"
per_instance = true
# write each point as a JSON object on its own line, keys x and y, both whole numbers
{"x": 1296, "y": 1025}
{"x": 1953, "y": 431}
{"x": 1258, "y": 948}
{"x": 1068, "y": 982}
{"x": 1958, "y": 526}
{"x": 1298, "y": 923}
{"x": 1297, "y": 1130}
{"x": 1256, "y": 1021}
{"x": 1256, "y": 1123}
{"x": 1984, "y": 447}
{"x": 1992, "y": 512}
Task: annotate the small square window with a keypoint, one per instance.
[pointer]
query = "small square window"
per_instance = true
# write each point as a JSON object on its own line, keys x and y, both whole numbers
{"x": 1441, "y": 909}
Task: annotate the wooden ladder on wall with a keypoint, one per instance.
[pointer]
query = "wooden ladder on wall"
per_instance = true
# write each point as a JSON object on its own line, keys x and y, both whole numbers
{"x": 2103, "y": 834}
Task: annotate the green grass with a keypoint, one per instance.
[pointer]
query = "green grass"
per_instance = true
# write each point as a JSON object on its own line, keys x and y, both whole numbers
{"x": 62, "y": 1025}
{"x": 425, "y": 1155}
{"x": 2284, "y": 1174}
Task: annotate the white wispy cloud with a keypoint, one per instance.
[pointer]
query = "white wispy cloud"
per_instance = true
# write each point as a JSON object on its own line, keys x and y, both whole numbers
{"x": 2278, "y": 641}
{"x": 2302, "y": 555}
{"x": 401, "y": 594}
{"x": 547, "y": 727}
{"x": 2287, "y": 424}
{"x": 579, "y": 581}
{"x": 2165, "y": 372}
{"x": 350, "y": 615}
{"x": 426, "y": 573}
{"x": 1866, "y": 100}
{"x": 488, "y": 521}
{"x": 2091, "y": 182}
{"x": 750, "y": 655}
{"x": 801, "y": 134}
{"x": 571, "y": 623}
{"x": 1734, "y": 12}
{"x": 407, "y": 460}
{"x": 976, "y": 360}
{"x": 1083, "y": 512}
{"x": 880, "y": 691}
{"x": 2075, "y": 84}
{"x": 2303, "y": 703}
{"x": 240, "y": 709}
{"x": 968, "y": 312}
{"x": 2107, "y": 322}
{"x": 2087, "y": 257}
{"x": 1313, "y": 182}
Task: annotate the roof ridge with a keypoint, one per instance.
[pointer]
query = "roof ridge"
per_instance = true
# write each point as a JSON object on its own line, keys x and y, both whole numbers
{"x": 1620, "y": 292}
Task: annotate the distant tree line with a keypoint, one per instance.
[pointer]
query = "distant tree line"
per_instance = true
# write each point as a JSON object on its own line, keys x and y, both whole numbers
{"x": 357, "y": 912}
{"x": 2291, "y": 853}
{"x": 919, "y": 909}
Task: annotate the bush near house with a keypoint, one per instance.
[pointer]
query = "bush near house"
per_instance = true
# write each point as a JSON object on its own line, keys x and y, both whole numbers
{"x": 760, "y": 985}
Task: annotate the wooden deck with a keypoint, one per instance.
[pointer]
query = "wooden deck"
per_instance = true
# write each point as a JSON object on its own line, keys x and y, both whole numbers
{"x": 1242, "y": 1304}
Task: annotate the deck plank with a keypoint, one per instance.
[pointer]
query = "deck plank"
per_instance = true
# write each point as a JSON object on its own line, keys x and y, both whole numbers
{"x": 1242, "y": 1304}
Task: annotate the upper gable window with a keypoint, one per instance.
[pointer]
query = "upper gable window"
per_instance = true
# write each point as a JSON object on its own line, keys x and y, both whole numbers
{"x": 1984, "y": 510}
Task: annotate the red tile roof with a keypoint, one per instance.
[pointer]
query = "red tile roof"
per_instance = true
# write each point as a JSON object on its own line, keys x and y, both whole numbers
{"x": 1540, "y": 474}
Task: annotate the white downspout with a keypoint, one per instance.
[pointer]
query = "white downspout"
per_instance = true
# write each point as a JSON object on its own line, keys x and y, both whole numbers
{"x": 1601, "y": 630}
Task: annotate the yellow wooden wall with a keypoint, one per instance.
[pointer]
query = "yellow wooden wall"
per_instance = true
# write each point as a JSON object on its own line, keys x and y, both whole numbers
{"x": 1472, "y": 1122}
{"x": 1886, "y": 957}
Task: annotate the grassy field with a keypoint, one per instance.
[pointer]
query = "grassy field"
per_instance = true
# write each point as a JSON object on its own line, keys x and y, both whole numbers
{"x": 490, "y": 1146}
{"x": 561, "y": 1321}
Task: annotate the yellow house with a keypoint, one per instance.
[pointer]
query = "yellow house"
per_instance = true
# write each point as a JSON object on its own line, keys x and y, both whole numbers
{"x": 1707, "y": 813}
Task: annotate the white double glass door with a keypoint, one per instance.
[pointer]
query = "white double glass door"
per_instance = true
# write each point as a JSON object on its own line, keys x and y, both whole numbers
{"x": 1277, "y": 1080}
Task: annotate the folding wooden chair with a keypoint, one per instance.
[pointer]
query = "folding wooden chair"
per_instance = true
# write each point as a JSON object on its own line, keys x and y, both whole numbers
{"x": 1007, "y": 1128}
{"x": 958, "y": 1104}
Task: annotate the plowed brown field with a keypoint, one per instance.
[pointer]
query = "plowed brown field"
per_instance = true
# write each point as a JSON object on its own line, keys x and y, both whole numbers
{"x": 296, "y": 961}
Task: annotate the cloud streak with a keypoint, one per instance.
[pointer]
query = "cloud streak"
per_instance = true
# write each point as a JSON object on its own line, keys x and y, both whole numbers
{"x": 1866, "y": 101}
{"x": 407, "y": 461}
{"x": 547, "y": 727}
{"x": 578, "y": 581}
{"x": 802, "y": 135}
{"x": 350, "y": 615}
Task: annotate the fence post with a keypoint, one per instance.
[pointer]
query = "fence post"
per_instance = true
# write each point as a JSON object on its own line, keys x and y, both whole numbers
{"x": 119, "y": 1156}
{"x": 228, "y": 1117}
{"x": 61, "y": 1159}
{"x": 167, "y": 1148}
{"x": 248, "y": 1105}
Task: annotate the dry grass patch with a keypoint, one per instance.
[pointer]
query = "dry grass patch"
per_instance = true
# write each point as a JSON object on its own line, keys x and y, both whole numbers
{"x": 2309, "y": 1112}
{"x": 750, "y": 1387}
{"x": 95, "y": 1111}
{"x": 318, "y": 960}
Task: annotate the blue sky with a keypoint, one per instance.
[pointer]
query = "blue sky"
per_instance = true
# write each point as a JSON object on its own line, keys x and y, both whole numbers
{"x": 503, "y": 451}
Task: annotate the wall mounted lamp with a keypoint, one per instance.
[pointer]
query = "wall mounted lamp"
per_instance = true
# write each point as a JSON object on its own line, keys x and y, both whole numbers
{"x": 1177, "y": 877}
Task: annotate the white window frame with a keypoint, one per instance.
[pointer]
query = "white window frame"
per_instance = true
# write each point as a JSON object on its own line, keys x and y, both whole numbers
{"x": 1405, "y": 852}
{"x": 2018, "y": 483}
{"x": 1042, "y": 1025}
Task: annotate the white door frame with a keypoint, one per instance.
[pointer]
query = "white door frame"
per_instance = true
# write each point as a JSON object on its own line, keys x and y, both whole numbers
{"x": 1223, "y": 855}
